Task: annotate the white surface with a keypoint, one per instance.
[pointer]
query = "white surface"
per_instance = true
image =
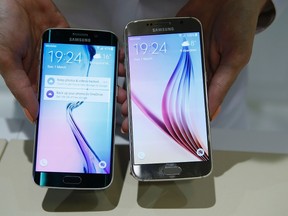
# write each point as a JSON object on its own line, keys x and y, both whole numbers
{"x": 241, "y": 184}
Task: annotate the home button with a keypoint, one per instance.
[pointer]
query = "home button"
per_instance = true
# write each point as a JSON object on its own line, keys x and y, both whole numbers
{"x": 72, "y": 180}
{"x": 172, "y": 170}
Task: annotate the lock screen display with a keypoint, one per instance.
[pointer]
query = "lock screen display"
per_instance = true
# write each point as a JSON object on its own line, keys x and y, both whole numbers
{"x": 76, "y": 96}
{"x": 168, "y": 102}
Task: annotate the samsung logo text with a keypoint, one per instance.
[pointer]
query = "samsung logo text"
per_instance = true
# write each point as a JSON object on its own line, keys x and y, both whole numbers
{"x": 82, "y": 40}
{"x": 164, "y": 29}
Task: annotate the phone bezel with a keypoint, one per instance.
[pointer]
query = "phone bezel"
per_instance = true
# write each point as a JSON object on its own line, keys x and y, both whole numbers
{"x": 88, "y": 181}
{"x": 155, "y": 172}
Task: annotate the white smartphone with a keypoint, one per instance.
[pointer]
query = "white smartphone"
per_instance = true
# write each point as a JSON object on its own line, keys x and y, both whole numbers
{"x": 74, "y": 140}
{"x": 169, "y": 122}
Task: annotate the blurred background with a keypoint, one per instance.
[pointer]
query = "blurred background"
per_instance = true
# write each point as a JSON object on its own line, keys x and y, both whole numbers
{"x": 268, "y": 78}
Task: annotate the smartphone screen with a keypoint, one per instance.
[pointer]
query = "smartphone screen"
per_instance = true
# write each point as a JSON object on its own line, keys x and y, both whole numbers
{"x": 75, "y": 128}
{"x": 168, "y": 107}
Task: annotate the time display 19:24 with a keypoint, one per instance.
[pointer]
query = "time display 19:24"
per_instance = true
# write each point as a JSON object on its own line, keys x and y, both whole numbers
{"x": 153, "y": 48}
{"x": 68, "y": 57}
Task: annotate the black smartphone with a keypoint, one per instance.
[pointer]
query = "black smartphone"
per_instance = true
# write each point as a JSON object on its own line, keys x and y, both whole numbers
{"x": 74, "y": 139}
{"x": 167, "y": 98}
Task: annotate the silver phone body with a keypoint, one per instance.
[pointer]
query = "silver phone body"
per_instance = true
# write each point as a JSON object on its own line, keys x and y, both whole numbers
{"x": 169, "y": 122}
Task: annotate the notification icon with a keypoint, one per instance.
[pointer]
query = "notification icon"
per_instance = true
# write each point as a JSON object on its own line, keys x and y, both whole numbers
{"x": 50, "y": 94}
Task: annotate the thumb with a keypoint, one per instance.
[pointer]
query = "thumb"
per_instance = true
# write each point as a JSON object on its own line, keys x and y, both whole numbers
{"x": 20, "y": 86}
{"x": 219, "y": 86}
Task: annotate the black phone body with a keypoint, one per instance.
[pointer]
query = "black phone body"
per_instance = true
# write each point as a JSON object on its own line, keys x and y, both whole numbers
{"x": 167, "y": 99}
{"x": 74, "y": 138}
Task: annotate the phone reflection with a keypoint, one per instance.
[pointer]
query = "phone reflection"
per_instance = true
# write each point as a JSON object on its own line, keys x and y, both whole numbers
{"x": 198, "y": 193}
{"x": 58, "y": 200}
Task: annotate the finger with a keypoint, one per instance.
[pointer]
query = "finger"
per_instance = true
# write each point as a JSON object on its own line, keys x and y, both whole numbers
{"x": 217, "y": 112}
{"x": 121, "y": 55}
{"x": 20, "y": 86}
{"x": 125, "y": 126}
{"x": 122, "y": 95}
{"x": 121, "y": 70}
{"x": 220, "y": 83}
{"x": 124, "y": 108}
{"x": 121, "y": 66}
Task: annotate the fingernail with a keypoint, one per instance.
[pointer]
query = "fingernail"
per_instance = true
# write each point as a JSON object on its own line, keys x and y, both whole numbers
{"x": 216, "y": 113}
{"x": 122, "y": 131}
{"x": 29, "y": 116}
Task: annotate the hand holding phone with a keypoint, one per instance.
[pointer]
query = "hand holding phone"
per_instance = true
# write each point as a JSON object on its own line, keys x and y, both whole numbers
{"x": 74, "y": 140}
{"x": 167, "y": 99}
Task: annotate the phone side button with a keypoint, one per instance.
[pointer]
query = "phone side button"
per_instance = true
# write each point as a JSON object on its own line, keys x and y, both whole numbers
{"x": 172, "y": 170}
{"x": 72, "y": 180}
